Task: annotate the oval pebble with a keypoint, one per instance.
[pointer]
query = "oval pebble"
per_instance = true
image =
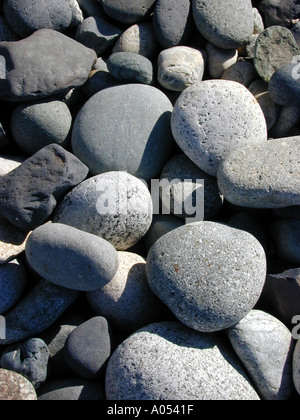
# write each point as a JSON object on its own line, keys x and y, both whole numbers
{"x": 143, "y": 125}
{"x": 274, "y": 48}
{"x": 127, "y": 302}
{"x": 296, "y": 367}
{"x": 115, "y": 206}
{"x": 172, "y": 22}
{"x": 125, "y": 11}
{"x": 225, "y": 24}
{"x": 265, "y": 347}
{"x": 167, "y": 361}
{"x": 130, "y": 68}
{"x": 180, "y": 67}
{"x": 213, "y": 119}
{"x": 273, "y": 180}
{"x": 208, "y": 274}
{"x": 13, "y": 279}
{"x": 71, "y": 258}
{"x": 36, "y": 125}
{"x": 14, "y": 387}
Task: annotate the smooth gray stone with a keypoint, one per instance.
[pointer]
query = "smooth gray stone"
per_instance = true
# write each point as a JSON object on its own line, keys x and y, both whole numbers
{"x": 143, "y": 126}
{"x": 208, "y": 274}
{"x": 130, "y": 68}
{"x": 127, "y": 11}
{"x": 241, "y": 72}
{"x": 29, "y": 359}
{"x": 88, "y": 348}
{"x": 172, "y": 22}
{"x": 214, "y": 118}
{"x": 265, "y": 347}
{"x": 68, "y": 65}
{"x": 282, "y": 13}
{"x": 296, "y": 367}
{"x": 37, "y": 311}
{"x": 91, "y": 8}
{"x": 13, "y": 279}
{"x": 284, "y": 86}
{"x": 115, "y": 206}
{"x": 14, "y": 387}
{"x": 167, "y": 361}
{"x": 74, "y": 389}
{"x": 30, "y": 193}
{"x": 226, "y": 25}
{"x": 27, "y": 16}
{"x": 265, "y": 176}
{"x": 274, "y": 48}
{"x": 98, "y": 34}
{"x": 71, "y": 258}
{"x": 286, "y": 234}
{"x": 38, "y": 124}
{"x": 161, "y": 224}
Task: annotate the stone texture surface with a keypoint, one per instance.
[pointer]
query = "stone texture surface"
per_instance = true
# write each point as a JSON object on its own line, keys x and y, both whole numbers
{"x": 161, "y": 224}
{"x": 127, "y": 12}
{"x": 167, "y": 361}
{"x": 71, "y": 390}
{"x": 208, "y": 274}
{"x": 213, "y": 119}
{"x": 14, "y": 387}
{"x": 284, "y": 85}
{"x": 219, "y": 60}
{"x": 13, "y": 278}
{"x": 285, "y": 234}
{"x": 130, "y": 68}
{"x": 263, "y": 176}
{"x": 71, "y": 258}
{"x": 296, "y": 367}
{"x": 280, "y": 12}
{"x": 12, "y": 241}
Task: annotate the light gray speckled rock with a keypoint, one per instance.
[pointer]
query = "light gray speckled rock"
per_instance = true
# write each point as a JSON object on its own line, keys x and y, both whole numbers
{"x": 180, "y": 67}
{"x": 259, "y": 25}
{"x": 208, "y": 274}
{"x": 211, "y": 120}
{"x": 127, "y": 302}
{"x": 14, "y": 387}
{"x": 115, "y": 206}
{"x": 285, "y": 234}
{"x": 265, "y": 176}
{"x": 224, "y": 24}
{"x": 71, "y": 258}
{"x": 219, "y": 60}
{"x": 29, "y": 359}
{"x": 296, "y": 367}
{"x": 13, "y": 279}
{"x": 265, "y": 347}
{"x": 167, "y": 361}
{"x": 143, "y": 125}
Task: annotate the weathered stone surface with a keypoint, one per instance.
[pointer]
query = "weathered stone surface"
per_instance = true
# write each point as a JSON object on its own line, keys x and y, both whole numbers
{"x": 280, "y": 12}
{"x": 12, "y": 241}
{"x": 14, "y": 387}
{"x": 42, "y": 65}
{"x": 265, "y": 176}
{"x": 127, "y": 12}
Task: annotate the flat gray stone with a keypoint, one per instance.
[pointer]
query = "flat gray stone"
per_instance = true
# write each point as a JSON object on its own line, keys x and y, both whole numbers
{"x": 208, "y": 274}
{"x": 67, "y": 61}
{"x": 14, "y": 387}
{"x": 214, "y": 118}
{"x": 127, "y": 12}
{"x": 143, "y": 125}
{"x": 130, "y": 68}
{"x": 285, "y": 234}
{"x": 167, "y": 361}
{"x": 264, "y": 176}
{"x": 37, "y": 311}
{"x": 127, "y": 301}
{"x": 226, "y": 25}
{"x": 29, "y": 359}
{"x": 265, "y": 347}
{"x": 13, "y": 279}
{"x": 115, "y": 206}
{"x": 74, "y": 389}
{"x": 71, "y": 258}
{"x": 275, "y": 47}
{"x": 296, "y": 367}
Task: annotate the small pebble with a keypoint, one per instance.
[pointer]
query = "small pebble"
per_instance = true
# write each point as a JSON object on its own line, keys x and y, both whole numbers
{"x": 130, "y": 68}
{"x": 219, "y": 60}
{"x": 14, "y": 387}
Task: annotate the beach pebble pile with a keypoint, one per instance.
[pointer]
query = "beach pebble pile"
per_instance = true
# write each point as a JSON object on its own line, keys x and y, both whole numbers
{"x": 149, "y": 200}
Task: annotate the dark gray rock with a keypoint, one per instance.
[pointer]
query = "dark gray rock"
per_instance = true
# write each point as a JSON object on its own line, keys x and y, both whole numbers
{"x": 70, "y": 257}
{"x": 161, "y": 224}
{"x": 71, "y": 390}
{"x": 38, "y": 124}
{"x": 99, "y": 79}
{"x": 143, "y": 126}
{"x": 286, "y": 234}
{"x": 242, "y": 72}
{"x": 125, "y": 11}
{"x": 172, "y": 22}
{"x": 226, "y": 25}
{"x": 286, "y": 122}
{"x": 30, "y": 359}
{"x": 280, "y": 12}
{"x": 284, "y": 86}
{"x": 13, "y": 278}
{"x": 6, "y": 33}
{"x": 274, "y": 48}
{"x": 208, "y": 274}
{"x": 88, "y": 348}
{"x": 68, "y": 65}
{"x": 37, "y": 311}
{"x": 265, "y": 347}
{"x": 98, "y": 34}
{"x": 296, "y": 367}
{"x": 167, "y": 361}
{"x": 29, "y": 194}
{"x": 130, "y": 68}
{"x": 28, "y": 16}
